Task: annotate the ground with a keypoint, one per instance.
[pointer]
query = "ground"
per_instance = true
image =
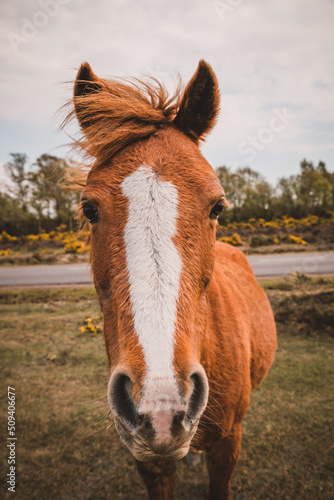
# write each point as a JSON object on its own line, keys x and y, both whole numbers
{"x": 68, "y": 449}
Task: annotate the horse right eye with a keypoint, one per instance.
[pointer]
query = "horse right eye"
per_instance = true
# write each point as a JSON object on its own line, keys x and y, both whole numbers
{"x": 90, "y": 212}
{"x": 217, "y": 210}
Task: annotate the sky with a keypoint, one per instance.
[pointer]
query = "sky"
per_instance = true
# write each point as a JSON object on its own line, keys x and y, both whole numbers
{"x": 274, "y": 61}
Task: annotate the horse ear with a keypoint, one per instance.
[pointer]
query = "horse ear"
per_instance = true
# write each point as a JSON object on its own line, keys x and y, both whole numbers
{"x": 86, "y": 84}
{"x": 200, "y": 104}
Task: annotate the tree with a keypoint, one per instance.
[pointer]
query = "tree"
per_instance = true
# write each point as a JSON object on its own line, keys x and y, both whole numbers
{"x": 313, "y": 188}
{"x": 18, "y": 174}
{"x": 248, "y": 192}
{"x": 50, "y": 194}
{"x": 285, "y": 200}
{"x": 14, "y": 220}
{"x": 309, "y": 192}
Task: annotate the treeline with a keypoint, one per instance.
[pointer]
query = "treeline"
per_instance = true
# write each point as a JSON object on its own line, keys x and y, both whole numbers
{"x": 311, "y": 191}
{"x": 38, "y": 195}
{"x": 39, "y": 198}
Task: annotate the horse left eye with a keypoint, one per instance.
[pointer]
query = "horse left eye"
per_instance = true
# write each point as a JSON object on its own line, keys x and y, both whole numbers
{"x": 217, "y": 210}
{"x": 90, "y": 212}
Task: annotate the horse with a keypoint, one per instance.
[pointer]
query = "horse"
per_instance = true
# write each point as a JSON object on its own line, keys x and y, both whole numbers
{"x": 188, "y": 330}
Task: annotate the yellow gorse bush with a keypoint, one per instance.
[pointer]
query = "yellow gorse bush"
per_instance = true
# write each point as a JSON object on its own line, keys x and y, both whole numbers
{"x": 32, "y": 237}
{"x": 4, "y": 253}
{"x": 70, "y": 241}
{"x": 44, "y": 236}
{"x": 285, "y": 222}
{"x": 4, "y": 236}
{"x": 262, "y": 240}
{"x": 290, "y": 238}
{"x": 234, "y": 240}
{"x": 72, "y": 244}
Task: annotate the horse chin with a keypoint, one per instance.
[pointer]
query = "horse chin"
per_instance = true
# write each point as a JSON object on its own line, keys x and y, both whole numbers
{"x": 147, "y": 449}
{"x": 148, "y": 456}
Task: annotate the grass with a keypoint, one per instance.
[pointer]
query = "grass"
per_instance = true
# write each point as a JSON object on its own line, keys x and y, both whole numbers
{"x": 65, "y": 450}
{"x": 22, "y": 257}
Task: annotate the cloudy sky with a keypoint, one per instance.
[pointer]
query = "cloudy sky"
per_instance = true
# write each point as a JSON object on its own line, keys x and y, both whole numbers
{"x": 274, "y": 61}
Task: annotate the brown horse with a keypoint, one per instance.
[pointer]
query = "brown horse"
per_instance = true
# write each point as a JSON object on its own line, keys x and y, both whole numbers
{"x": 188, "y": 331}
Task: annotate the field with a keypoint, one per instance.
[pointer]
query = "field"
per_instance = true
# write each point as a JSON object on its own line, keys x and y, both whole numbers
{"x": 68, "y": 449}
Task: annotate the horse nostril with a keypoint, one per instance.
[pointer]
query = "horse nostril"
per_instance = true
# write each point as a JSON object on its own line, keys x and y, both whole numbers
{"x": 179, "y": 417}
{"x": 198, "y": 399}
{"x": 145, "y": 426}
{"x": 120, "y": 399}
{"x": 177, "y": 424}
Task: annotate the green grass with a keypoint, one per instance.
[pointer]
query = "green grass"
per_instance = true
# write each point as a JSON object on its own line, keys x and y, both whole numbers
{"x": 65, "y": 451}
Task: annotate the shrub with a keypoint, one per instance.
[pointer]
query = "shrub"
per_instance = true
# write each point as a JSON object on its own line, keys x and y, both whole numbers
{"x": 290, "y": 238}
{"x": 7, "y": 237}
{"x": 73, "y": 243}
{"x": 260, "y": 240}
{"x": 234, "y": 240}
{"x": 4, "y": 253}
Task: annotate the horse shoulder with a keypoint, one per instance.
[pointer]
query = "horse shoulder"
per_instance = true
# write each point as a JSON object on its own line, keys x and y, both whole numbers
{"x": 226, "y": 253}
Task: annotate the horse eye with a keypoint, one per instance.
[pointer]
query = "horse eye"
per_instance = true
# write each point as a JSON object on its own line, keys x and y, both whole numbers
{"x": 217, "y": 210}
{"x": 90, "y": 212}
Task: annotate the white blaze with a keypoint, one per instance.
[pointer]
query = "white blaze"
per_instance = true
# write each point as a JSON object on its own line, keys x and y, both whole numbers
{"x": 154, "y": 268}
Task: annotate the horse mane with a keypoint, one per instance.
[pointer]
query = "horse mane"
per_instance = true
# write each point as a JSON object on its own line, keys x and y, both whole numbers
{"x": 115, "y": 113}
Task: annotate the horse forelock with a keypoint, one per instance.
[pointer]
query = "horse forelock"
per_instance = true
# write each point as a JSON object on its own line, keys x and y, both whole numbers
{"x": 121, "y": 112}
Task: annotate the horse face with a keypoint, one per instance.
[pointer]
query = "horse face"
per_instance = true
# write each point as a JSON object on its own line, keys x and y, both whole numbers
{"x": 152, "y": 212}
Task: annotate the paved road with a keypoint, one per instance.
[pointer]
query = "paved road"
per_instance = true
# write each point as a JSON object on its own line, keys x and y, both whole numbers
{"x": 263, "y": 265}
{"x": 45, "y": 275}
{"x": 284, "y": 264}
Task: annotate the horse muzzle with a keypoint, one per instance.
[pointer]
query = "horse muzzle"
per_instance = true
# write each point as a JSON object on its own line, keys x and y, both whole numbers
{"x": 164, "y": 422}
